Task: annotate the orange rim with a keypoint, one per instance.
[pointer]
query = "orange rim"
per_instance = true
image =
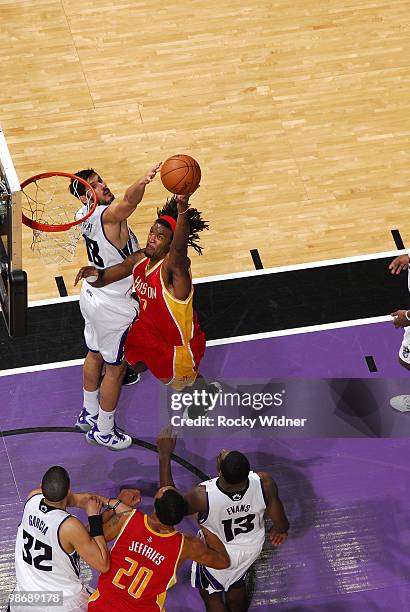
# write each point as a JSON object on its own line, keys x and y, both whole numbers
{"x": 62, "y": 227}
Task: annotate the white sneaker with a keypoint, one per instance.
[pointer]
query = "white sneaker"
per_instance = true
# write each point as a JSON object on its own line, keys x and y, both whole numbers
{"x": 401, "y": 403}
{"x": 116, "y": 440}
{"x": 217, "y": 386}
{"x": 86, "y": 420}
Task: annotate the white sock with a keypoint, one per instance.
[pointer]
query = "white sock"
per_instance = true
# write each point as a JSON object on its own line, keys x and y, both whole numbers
{"x": 105, "y": 421}
{"x": 91, "y": 401}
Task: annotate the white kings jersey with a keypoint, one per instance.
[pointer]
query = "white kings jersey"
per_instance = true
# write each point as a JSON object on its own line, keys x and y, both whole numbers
{"x": 102, "y": 253}
{"x": 236, "y": 518}
{"x": 41, "y": 563}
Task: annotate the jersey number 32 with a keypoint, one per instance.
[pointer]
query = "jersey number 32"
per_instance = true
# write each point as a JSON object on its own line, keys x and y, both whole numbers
{"x": 37, "y": 560}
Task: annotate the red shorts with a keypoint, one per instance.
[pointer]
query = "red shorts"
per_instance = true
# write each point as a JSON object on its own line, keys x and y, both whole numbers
{"x": 100, "y": 603}
{"x": 176, "y": 366}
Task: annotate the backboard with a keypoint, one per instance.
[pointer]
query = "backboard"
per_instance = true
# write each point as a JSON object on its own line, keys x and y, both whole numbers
{"x": 13, "y": 280}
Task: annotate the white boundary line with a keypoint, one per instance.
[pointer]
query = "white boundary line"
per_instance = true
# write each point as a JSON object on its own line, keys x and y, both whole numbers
{"x": 252, "y": 273}
{"x": 302, "y": 266}
{"x": 42, "y": 366}
{"x": 299, "y": 330}
{"x": 220, "y": 342}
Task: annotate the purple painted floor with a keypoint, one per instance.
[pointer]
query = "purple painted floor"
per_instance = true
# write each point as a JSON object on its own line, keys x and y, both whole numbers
{"x": 346, "y": 498}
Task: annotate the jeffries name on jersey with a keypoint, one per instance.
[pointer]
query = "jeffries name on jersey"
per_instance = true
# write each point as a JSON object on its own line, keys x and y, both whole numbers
{"x": 146, "y": 551}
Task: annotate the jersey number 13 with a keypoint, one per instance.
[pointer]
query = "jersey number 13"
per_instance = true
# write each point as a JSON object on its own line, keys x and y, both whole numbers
{"x": 240, "y": 524}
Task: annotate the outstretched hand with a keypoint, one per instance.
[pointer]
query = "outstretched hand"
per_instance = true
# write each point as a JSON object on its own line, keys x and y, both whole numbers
{"x": 88, "y": 272}
{"x": 150, "y": 174}
{"x": 130, "y": 497}
{"x": 182, "y": 202}
{"x": 399, "y": 263}
{"x": 93, "y": 506}
{"x": 276, "y": 537}
{"x": 400, "y": 319}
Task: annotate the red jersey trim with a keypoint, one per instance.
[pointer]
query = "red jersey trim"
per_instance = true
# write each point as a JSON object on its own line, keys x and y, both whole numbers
{"x": 148, "y": 272}
{"x": 137, "y": 264}
{"x": 172, "y": 297}
{"x": 174, "y": 576}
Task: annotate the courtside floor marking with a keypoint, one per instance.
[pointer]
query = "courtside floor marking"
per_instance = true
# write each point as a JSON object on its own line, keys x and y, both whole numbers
{"x": 252, "y": 273}
{"x": 221, "y": 341}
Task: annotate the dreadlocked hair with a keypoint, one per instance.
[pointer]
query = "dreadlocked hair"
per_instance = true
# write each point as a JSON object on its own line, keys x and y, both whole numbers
{"x": 196, "y": 223}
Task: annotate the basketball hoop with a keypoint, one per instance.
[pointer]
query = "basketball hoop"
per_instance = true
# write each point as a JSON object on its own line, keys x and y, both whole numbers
{"x": 54, "y": 214}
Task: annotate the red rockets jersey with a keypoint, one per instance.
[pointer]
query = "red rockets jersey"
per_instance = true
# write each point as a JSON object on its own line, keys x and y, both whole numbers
{"x": 143, "y": 566}
{"x": 174, "y": 320}
{"x": 166, "y": 336}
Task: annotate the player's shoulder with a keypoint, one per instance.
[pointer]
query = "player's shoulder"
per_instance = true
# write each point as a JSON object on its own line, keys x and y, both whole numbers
{"x": 33, "y": 493}
{"x": 72, "y": 526}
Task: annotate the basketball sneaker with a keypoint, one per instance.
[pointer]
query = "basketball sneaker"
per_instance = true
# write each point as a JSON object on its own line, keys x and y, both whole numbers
{"x": 131, "y": 378}
{"x": 86, "y": 420}
{"x": 401, "y": 403}
{"x": 191, "y": 412}
{"x": 116, "y": 440}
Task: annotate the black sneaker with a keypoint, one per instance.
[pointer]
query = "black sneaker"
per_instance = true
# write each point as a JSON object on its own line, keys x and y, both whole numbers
{"x": 131, "y": 377}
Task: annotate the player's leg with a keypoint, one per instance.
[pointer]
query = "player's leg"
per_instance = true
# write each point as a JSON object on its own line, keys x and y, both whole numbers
{"x": 236, "y": 598}
{"x": 93, "y": 364}
{"x": 104, "y": 432}
{"x": 109, "y": 320}
{"x": 402, "y": 402}
{"x": 213, "y": 601}
{"x": 91, "y": 388}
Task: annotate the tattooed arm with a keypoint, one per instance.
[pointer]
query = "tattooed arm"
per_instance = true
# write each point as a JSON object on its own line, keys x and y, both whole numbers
{"x": 113, "y": 526}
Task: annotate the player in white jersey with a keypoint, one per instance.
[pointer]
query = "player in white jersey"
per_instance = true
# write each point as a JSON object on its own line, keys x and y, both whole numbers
{"x": 50, "y": 542}
{"x": 109, "y": 311}
{"x": 232, "y": 506}
{"x": 401, "y": 318}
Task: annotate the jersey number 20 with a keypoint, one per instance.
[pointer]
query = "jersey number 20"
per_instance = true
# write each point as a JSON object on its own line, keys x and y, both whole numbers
{"x": 139, "y": 582}
{"x": 240, "y": 524}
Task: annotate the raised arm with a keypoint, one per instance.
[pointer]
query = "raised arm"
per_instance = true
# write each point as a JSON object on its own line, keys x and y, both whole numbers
{"x": 114, "y": 525}
{"x": 196, "y": 497}
{"x": 119, "y": 211}
{"x": 208, "y": 551}
{"x": 91, "y": 546}
{"x": 101, "y": 278}
{"x": 274, "y": 510}
{"x": 80, "y": 500}
{"x": 166, "y": 442}
{"x": 176, "y": 267}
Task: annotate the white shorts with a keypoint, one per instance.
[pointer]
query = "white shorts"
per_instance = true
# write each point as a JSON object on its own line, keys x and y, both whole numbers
{"x": 107, "y": 321}
{"x": 70, "y": 604}
{"x": 217, "y": 581}
{"x": 404, "y": 352}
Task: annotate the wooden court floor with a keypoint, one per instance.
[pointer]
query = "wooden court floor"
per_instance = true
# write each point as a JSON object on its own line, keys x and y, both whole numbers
{"x": 298, "y": 113}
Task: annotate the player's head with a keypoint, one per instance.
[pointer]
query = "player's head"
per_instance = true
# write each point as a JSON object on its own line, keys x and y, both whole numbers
{"x": 162, "y": 231}
{"x": 55, "y": 484}
{"x": 103, "y": 193}
{"x": 170, "y": 506}
{"x": 233, "y": 466}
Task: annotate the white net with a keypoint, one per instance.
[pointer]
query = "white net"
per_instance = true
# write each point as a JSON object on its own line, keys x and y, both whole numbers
{"x": 49, "y": 202}
{"x": 56, "y": 246}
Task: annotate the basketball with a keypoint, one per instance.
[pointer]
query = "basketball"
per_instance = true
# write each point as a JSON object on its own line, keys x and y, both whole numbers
{"x": 180, "y": 174}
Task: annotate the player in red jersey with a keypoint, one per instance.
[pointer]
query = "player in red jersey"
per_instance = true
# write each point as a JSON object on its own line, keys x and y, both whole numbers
{"x": 166, "y": 337}
{"x": 147, "y": 553}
